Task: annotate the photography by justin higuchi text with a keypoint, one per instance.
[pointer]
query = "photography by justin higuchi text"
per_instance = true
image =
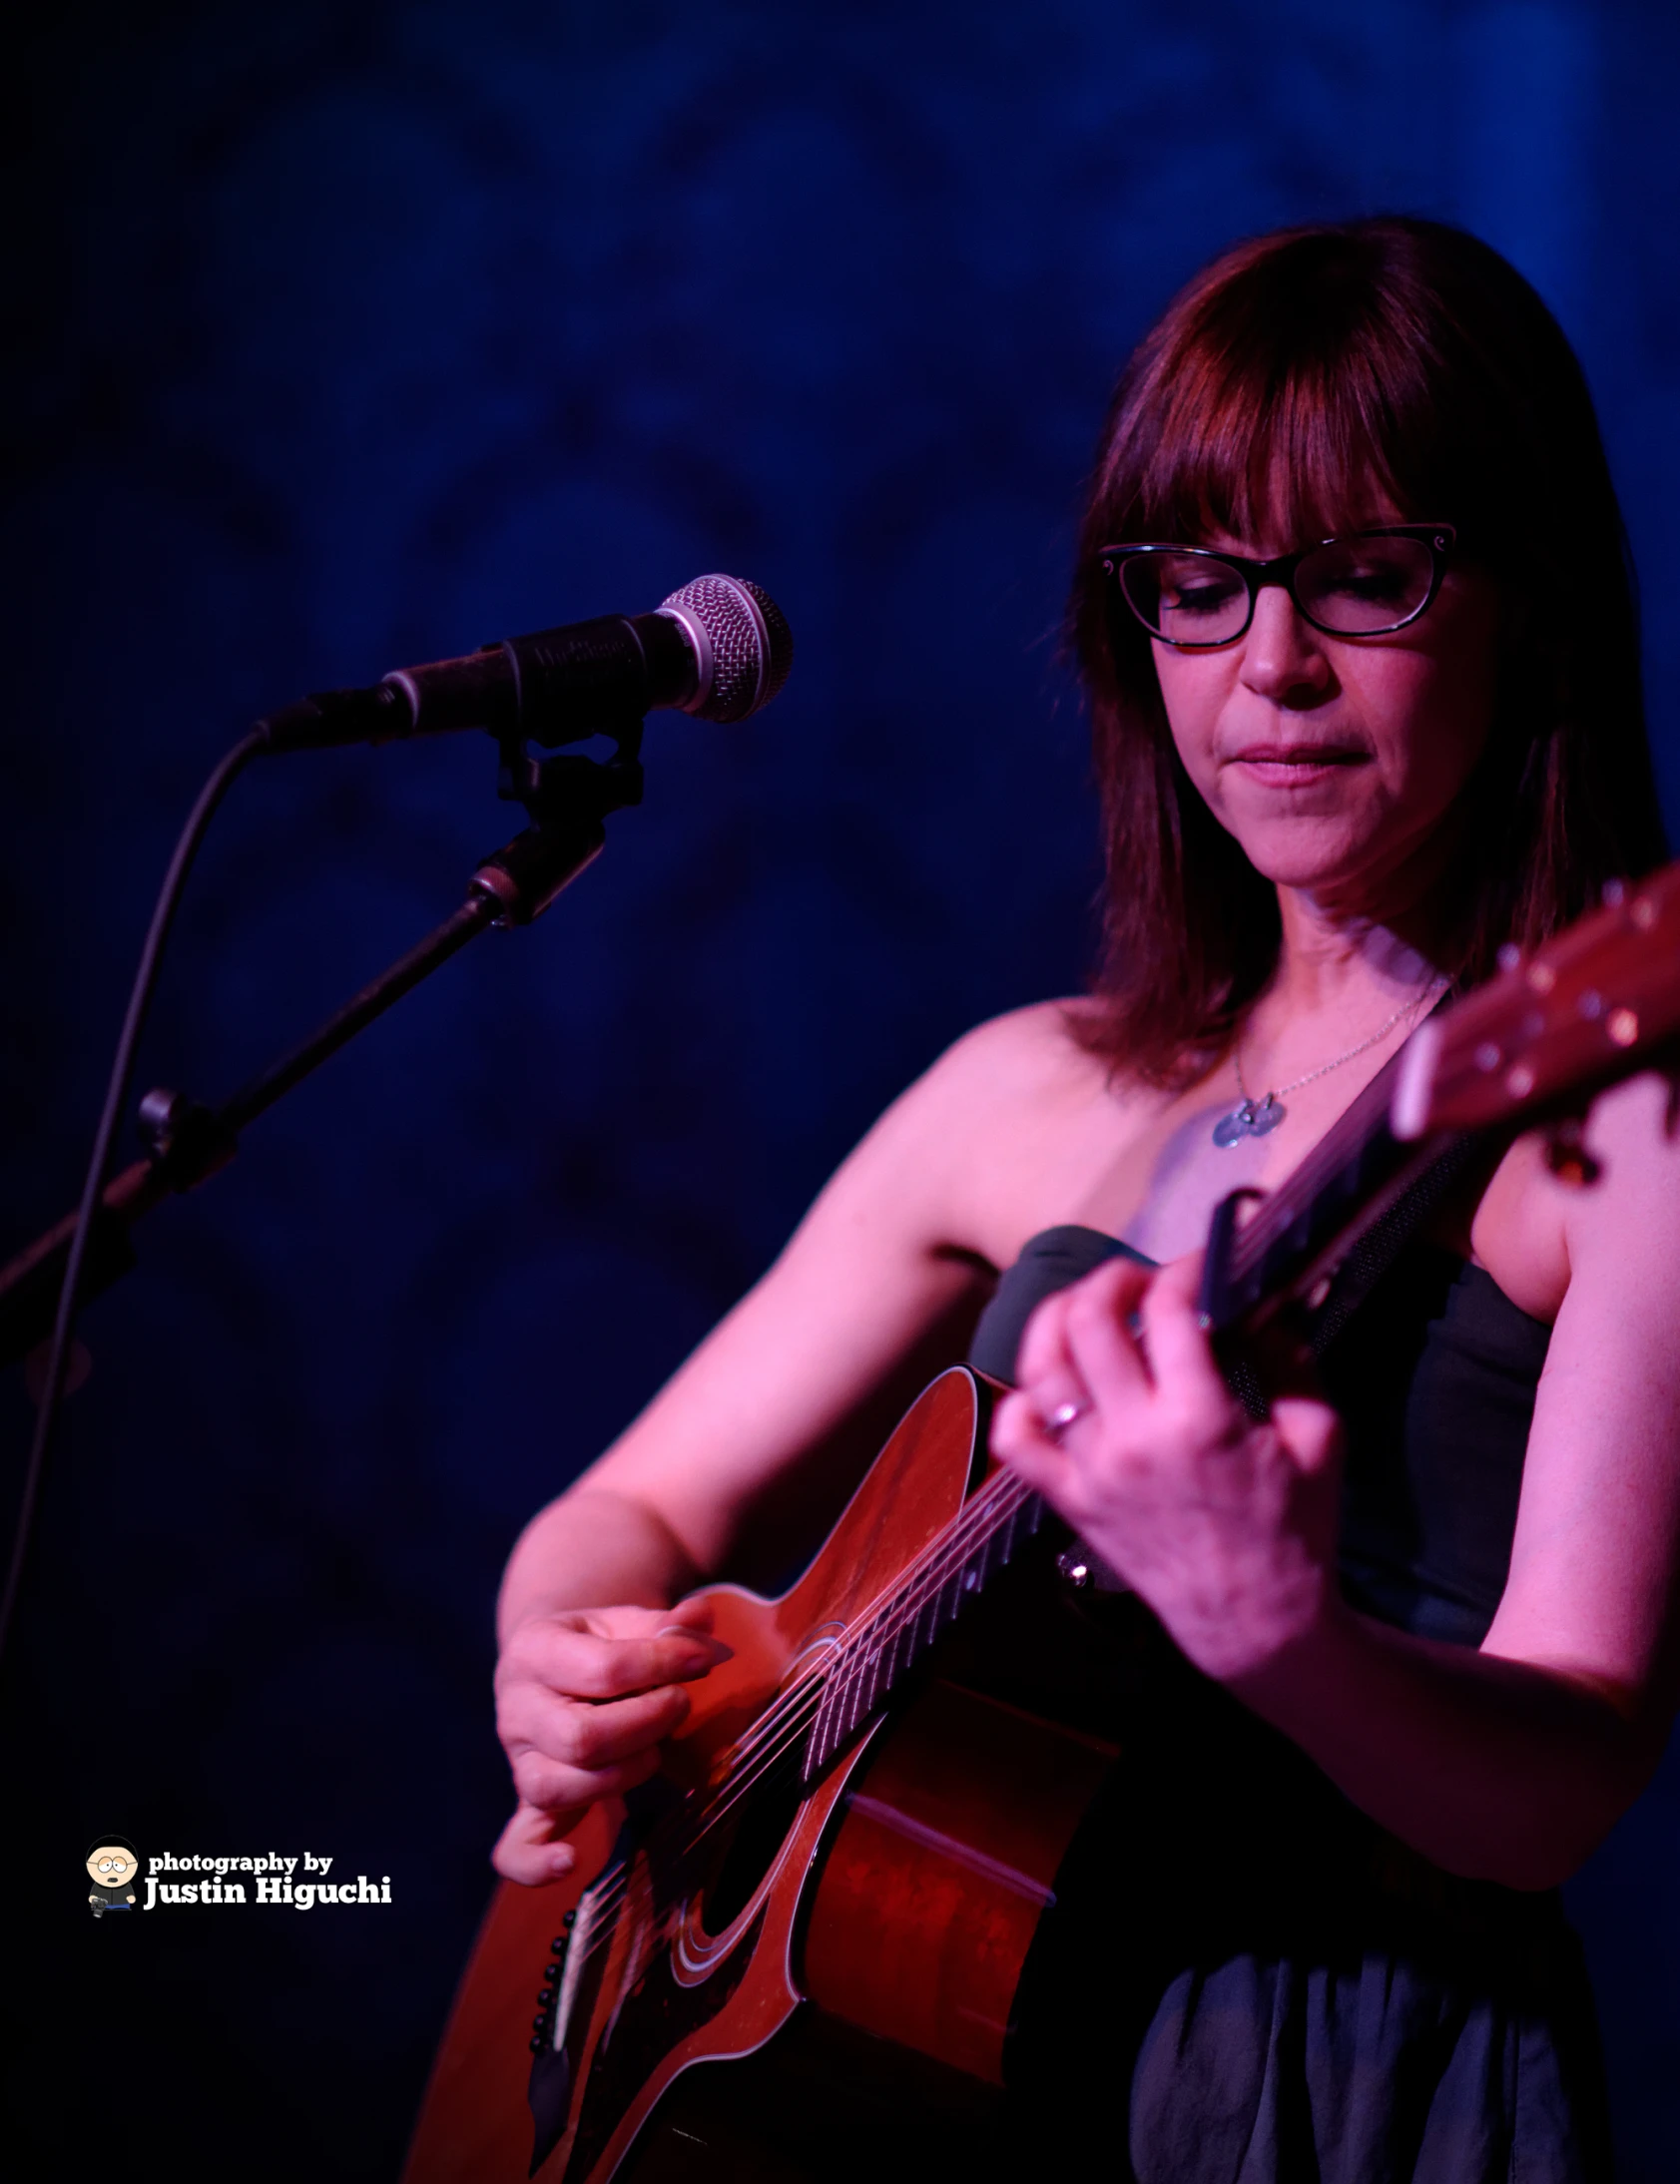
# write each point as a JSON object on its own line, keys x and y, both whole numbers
{"x": 301, "y": 1884}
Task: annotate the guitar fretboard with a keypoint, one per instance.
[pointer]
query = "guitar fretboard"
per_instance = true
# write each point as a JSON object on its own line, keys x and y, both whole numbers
{"x": 881, "y": 1651}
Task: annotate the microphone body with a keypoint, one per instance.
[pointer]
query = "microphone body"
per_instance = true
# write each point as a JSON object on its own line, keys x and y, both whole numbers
{"x": 568, "y": 680}
{"x": 719, "y": 648}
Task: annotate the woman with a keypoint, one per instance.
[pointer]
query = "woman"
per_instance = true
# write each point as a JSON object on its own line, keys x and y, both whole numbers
{"x": 1380, "y": 1723}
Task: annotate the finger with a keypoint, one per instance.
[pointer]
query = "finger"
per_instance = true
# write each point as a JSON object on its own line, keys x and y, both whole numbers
{"x": 1179, "y": 1350}
{"x": 558, "y": 1788}
{"x": 1019, "y": 1439}
{"x": 580, "y": 1733}
{"x": 1083, "y": 1332}
{"x": 1103, "y": 1350}
{"x": 584, "y": 1666}
{"x": 529, "y": 1849}
{"x": 693, "y": 1614}
{"x": 1042, "y": 1348}
{"x": 1044, "y": 1341}
{"x": 1310, "y": 1430}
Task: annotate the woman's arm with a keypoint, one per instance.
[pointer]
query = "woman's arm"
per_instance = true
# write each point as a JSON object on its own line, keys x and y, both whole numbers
{"x": 1506, "y": 1764}
{"x": 771, "y": 1419}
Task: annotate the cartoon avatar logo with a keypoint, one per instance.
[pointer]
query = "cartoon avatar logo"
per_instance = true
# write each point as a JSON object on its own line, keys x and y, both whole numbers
{"x": 113, "y": 1862}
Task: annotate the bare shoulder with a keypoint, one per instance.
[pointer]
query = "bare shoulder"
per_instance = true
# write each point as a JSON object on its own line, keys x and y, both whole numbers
{"x": 1010, "y": 1120}
{"x": 1541, "y": 1239}
{"x": 1632, "y": 1210}
{"x": 1029, "y": 1055}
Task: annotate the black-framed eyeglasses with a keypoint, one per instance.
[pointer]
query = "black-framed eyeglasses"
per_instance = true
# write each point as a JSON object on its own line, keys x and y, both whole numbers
{"x": 1361, "y": 585}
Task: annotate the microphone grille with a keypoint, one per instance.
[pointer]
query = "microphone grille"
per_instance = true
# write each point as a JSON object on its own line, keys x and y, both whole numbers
{"x": 743, "y": 643}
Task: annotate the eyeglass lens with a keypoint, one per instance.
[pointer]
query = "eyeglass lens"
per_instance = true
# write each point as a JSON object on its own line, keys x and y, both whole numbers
{"x": 1352, "y": 586}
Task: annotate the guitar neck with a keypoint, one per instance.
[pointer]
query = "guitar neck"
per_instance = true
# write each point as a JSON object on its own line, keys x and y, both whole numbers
{"x": 1343, "y": 1201}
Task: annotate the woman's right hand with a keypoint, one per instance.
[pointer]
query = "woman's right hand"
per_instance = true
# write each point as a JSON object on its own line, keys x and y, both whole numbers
{"x": 584, "y": 1698}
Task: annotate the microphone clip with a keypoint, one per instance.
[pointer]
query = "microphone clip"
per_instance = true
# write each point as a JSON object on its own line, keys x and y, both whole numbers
{"x": 568, "y": 795}
{"x": 568, "y": 782}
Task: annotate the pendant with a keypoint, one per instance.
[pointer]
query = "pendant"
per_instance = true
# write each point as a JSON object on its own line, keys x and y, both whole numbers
{"x": 1249, "y": 1119}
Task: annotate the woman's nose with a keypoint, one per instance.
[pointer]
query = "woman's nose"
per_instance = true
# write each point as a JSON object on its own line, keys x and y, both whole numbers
{"x": 1282, "y": 657}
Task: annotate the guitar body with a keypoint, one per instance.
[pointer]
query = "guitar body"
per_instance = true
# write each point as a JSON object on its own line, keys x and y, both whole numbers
{"x": 820, "y": 1863}
{"x": 897, "y": 1894}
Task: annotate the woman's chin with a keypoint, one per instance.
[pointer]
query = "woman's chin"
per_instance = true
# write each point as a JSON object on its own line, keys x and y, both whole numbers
{"x": 1310, "y": 856}
{"x": 1352, "y": 875}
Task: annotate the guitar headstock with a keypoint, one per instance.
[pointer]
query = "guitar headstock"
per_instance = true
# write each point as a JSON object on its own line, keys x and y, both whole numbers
{"x": 1593, "y": 1005}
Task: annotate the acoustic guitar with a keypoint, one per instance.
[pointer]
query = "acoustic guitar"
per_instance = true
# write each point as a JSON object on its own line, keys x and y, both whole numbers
{"x": 841, "y": 1831}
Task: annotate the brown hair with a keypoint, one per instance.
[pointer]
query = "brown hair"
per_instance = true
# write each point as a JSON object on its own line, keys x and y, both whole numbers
{"x": 1400, "y": 357}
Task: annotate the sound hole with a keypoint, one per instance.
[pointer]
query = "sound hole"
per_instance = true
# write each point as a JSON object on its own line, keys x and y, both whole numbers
{"x": 753, "y": 1837}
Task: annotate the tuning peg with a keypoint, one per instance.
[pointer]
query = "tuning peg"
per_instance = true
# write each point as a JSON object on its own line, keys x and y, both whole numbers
{"x": 1567, "y": 1155}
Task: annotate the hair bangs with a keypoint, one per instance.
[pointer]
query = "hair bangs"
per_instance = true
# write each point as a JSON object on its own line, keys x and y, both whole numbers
{"x": 1279, "y": 434}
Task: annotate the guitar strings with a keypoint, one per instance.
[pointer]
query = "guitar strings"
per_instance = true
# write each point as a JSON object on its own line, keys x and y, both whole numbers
{"x": 994, "y": 1505}
{"x": 983, "y": 1517}
{"x": 791, "y": 1716}
{"x": 662, "y": 1851}
{"x": 791, "y": 1713}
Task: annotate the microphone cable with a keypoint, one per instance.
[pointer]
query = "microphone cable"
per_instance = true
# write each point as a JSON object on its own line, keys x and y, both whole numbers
{"x": 115, "y": 1099}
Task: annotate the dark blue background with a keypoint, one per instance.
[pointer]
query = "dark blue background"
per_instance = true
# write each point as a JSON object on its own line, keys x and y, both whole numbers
{"x": 351, "y": 335}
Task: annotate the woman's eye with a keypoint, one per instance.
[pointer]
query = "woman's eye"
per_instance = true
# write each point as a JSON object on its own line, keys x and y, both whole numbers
{"x": 1375, "y": 582}
{"x": 1208, "y": 596}
{"x": 1388, "y": 574}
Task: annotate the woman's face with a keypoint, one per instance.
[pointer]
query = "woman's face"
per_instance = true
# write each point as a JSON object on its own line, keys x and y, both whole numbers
{"x": 1334, "y": 759}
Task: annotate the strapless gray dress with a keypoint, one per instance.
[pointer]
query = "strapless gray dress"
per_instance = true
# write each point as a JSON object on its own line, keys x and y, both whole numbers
{"x": 1244, "y": 1979}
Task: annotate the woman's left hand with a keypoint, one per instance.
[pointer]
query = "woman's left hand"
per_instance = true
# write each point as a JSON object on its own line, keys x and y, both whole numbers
{"x": 1226, "y": 1527}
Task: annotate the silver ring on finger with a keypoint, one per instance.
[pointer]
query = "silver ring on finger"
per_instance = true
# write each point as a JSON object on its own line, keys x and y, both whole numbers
{"x": 1065, "y": 1416}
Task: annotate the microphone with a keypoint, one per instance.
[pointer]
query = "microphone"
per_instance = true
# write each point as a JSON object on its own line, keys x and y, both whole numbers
{"x": 719, "y": 648}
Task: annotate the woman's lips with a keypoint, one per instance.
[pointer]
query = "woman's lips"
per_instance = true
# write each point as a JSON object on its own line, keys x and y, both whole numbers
{"x": 1295, "y": 766}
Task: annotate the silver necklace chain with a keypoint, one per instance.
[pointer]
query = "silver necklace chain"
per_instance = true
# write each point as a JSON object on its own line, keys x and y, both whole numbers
{"x": 1252, "y": 1118}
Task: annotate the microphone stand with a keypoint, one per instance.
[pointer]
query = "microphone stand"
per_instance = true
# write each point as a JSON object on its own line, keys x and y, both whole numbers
{"x": 567, "y": 797}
